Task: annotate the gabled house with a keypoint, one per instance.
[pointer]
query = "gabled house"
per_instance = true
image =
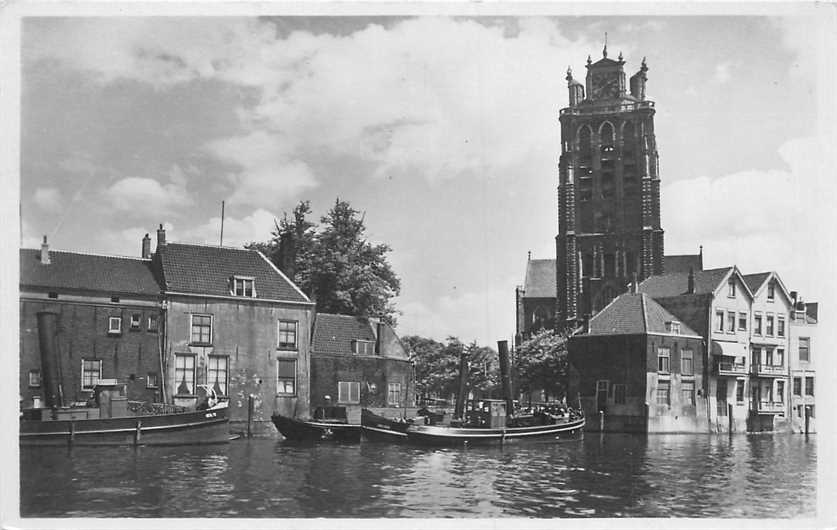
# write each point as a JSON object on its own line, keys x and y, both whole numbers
{"x": 85, "y": 318}
{"x": 359, "y": 362}
{"x": 804, "y": 350}
{"x": 638, "y": 368}
{"x": 236, "y": 323}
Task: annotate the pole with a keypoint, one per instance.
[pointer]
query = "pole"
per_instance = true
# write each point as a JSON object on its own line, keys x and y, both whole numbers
{"x": 459, "y": 411}
{"x": 505, "y": 375}
{"x": 807, "y": 418}
{"x": 221, "y": 244}
{"x": 250, "y": 416}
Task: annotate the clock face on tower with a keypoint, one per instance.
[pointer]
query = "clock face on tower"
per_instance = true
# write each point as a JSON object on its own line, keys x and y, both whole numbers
{"x": 605, "y": 86}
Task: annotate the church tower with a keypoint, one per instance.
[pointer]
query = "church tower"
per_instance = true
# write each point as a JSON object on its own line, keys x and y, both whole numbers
{"x": 608, "y": 191}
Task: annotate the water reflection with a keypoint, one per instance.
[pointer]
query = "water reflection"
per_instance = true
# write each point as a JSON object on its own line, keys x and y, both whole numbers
{"x": 611, "y": 476}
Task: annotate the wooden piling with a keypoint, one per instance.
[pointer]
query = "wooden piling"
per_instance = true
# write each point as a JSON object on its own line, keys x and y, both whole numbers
{"x": 250, "y": 416}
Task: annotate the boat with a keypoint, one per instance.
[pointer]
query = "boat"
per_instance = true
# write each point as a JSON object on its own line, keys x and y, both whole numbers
{"x": 379, "y": 428}
{"x": 111, "y": 422}
{"x": 487, "y": 423}
{"x": 329, "y": 423}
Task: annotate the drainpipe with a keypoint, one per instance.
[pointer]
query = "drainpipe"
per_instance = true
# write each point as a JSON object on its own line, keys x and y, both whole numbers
{"x": 162, "y": 330}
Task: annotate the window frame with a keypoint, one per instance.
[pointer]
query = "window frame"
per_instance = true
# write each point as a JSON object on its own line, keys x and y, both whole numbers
{"x": 152, "y": 376}
{"x": 226, "y": 370}
{"x": 780, "y": 326}
{"x": 280, "y": 345}
{"x": 770, "y": 325}
{"x": 757, "y": 324}
{"x": 245, "y": 281}
{"x": 797, "y": 386}
{"x": 731, "y": 288}
{"x": 809, "y": 379}
{"x": 663, "y": 383}
{"x": 367, "y": 345}
{"x": 348, "y": 399}
{"x": 152, "y": 323}
{"x": 282, "y": 381}
{"x": 687, "y": 353}
{"x": 807, "y": 349}
{"x": 731, "y": 316}
{"x": 742, "y": 319}
{"x": 136, "y": 322}
{"x": 394, "y": 389}
{"x": 739, "y": 391}
{"x": 84, "y": 372}
{"x": 114, "y": 330}
{"x": 691, "y": 402}
{"x": 661, "y": 356}
{"x": 720, "y": 314}
{"x": 211, "y": 325}
{"x": 185, "y": 370}
{"x": 37, "y": 383}
{"x": 771, "y": 292}
{"x": 620, "y": 393}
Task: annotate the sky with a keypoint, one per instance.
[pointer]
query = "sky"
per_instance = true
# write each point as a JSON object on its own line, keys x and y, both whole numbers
{"x": 443, "y": 130}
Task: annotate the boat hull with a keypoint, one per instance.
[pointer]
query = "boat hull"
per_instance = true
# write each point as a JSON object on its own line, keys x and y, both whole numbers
{"x": 461, "y": 436}
{"x": 378, "y": 428}
{"x": 198, "y": 427}
{"x": 315, "y": 431}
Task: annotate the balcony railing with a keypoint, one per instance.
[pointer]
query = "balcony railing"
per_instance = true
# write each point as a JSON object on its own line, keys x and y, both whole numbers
{"x": 608, "y": 109}
{"x": 730, "y": 368}
{"x": 769, "y": 370}
{"x": 771, "y": 407}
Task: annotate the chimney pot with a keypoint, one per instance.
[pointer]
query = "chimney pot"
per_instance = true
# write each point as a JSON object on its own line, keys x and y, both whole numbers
{"x": 45, "y": 252}
{"x": 691, "y": 287}
{"x": 146, "y": 247}
{"x": 161, "y": 236}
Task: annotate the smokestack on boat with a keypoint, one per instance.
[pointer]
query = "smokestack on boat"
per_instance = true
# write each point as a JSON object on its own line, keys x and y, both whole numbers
{"x": 49, "y": 359}
{"x": 505, "y": 374}
{"x": 459, "y": 410}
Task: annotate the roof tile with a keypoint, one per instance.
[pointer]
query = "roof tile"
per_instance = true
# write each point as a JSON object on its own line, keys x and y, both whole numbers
{"x": 89, "y": 272}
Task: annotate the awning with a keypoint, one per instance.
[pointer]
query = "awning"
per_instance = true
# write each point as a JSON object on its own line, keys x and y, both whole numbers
{"x": 728, "y": 349}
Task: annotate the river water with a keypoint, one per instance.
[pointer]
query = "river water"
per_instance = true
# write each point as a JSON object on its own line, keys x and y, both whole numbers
{"x": 758, "y": 476}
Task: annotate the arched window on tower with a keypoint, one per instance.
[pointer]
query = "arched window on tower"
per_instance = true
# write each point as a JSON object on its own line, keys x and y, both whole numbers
{"x": 585, "y": 140}
{"x": 628, "y": 142}
{"x": 608, "y": 139}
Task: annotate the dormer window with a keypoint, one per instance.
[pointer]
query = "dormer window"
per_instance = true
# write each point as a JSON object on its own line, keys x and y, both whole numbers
{"x": 673, "y": 327}
{"x": 243, "y": 286}
{"x": 363, "y": 347}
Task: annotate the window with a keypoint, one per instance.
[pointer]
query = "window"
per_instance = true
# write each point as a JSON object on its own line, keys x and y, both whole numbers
{"x": 663, "y": 392}
{"x": 673, "y": 327}
{"x": 136, "y": 318}
{"x": 152, "y": 323}
{"x": 809, "y": 386}
{"x": 780, "y": 327}
{"x": 771, "y": 292}
{"x": 739, "y": 391}
{"x": 780, "y": 391}
{"x": 769, "y": 325}
{"x": 804, "y": 349}
{"x": 243, "y": 286}
{"x": 742, "y": 321}
{"x": 619, "y": 391}
{"x": 348, "y": 392}
{"x": 686, "y": 362}
{"x": 394, "y": 394}
{"x": 719, "y": 321}
{"x": 287, "y": 334}
{"x": 730, "y": 321}
{"x": 201, "y": 329}
{"x": 34, "y": 378}
{"x": 286, "y": 377}
{"x": 151, "y": 380}
{"x": 114, "y": 325}
{"x": 731, "y": 288}
{"x": 663, "y": 359}
{"x": 114, "y": 299}
{"x": 780, "y": 357}
{"x": 797, "y": 386}
{"x": 363, "y": 347}
{"x": 184, "y": 374}
{"x": 687, "y": 393}
{"x": 757, "y": 324}
{"x": 217, "y": 373}
{"x": 52, "y": 294}
{"x": 91, "y": 372}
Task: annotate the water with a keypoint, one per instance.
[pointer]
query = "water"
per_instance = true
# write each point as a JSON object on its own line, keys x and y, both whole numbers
{"x": 759, "y": 476}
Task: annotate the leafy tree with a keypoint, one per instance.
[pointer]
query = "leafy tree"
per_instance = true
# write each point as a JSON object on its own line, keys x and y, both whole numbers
{"x": 335, "y": 263}
{"x": 541, "y": 363}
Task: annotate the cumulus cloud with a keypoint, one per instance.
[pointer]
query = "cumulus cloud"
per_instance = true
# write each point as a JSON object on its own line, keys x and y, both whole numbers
{"x": 49, "y": 199}
{"x": 237, "y": 231}
{"x": 146, "y": 197}
{"x": 722, "y": 73}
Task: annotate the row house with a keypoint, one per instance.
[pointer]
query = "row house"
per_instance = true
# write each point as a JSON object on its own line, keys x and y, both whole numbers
{"x": 236, "y": 323}
{"x": 84, "y": 318}
{"x": 637, "y": 368}
{"x": 803, "y": 372}
{"x": 359, "y": 362}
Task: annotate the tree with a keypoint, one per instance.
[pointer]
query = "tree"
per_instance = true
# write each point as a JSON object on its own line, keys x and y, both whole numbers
{"x": 541, "y": 363}
{"x": 335, "y": 264}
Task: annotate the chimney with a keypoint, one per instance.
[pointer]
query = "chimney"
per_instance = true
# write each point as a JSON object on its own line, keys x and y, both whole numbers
{"x": 161, "y": 237}
{"x": 793, "y": 295}
{"x": 45, "y": 252}
{"x": 634, "y": 285}
{"x": 146, "y": 247}
{"x": 691, "y": 287}
{"x": 379, "y": 337}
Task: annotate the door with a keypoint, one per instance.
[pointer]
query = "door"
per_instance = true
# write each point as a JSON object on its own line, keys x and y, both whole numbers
{"x": 601, "y": 394}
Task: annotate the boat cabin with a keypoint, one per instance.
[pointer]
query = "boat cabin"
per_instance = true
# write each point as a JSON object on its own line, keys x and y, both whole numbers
{"x": 490, "y": 413}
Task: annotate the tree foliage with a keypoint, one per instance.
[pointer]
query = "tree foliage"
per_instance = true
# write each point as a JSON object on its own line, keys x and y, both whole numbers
{"x": 334, "y": 262}
{"x": 541, "y": 363}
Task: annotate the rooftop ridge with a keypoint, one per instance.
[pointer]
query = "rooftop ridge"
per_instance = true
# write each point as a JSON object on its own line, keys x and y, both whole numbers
{"x": 208, "y": 245}
{"x": 97, "y": 254}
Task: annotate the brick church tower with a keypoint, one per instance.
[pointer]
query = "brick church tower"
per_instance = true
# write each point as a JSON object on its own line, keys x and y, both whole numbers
{"x": 608, "y": 190}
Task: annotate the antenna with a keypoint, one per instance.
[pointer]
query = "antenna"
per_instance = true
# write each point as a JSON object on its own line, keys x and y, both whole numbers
{"x": 221, "y": 244}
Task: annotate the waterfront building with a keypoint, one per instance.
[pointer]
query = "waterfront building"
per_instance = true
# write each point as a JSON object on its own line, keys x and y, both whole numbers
{"x": 237, "y": 323}
{"x": 804, "y": 350}
{"x": 638, "y": 368}
{"x": 88, "y": 317}
{"x": 359, "y": 362}
{"x": 769, "y": 334}
{"x": 608, "y": 190}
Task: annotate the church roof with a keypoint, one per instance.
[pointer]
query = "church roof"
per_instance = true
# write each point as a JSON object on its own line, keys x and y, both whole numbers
{"x": 541, "y": 280}
{"x": 683, "y": 263}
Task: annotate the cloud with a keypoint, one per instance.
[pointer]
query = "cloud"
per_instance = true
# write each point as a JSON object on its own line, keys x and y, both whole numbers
{"x": 146, "y": 197}
{"x": 237, "y": 231}
{"x": 722, "y": 73}
{"x": 48, "y": 199}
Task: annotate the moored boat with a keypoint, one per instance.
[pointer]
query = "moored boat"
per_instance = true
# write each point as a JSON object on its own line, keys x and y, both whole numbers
{"x": 328, "y": 424}
{"x": 379, "y": 428}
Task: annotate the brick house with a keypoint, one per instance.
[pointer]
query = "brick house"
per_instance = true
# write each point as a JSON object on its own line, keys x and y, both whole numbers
{"x": 637, "y": 368}
{"x": 88, "y": 317}
{"x": 804, "y": 350}
{"x": 235, "y": 322}
{"x": 359, "y": 362}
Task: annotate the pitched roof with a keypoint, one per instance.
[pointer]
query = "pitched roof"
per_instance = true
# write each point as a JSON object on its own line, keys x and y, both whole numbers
{"x": 203, "y": 269}
{"x": 541, "y": 280}
{"x": 632, "y": 314}
{"x": 74, "y": 270}
{"x": 754, "y": 281}
{"x": 683, "y": 263}
{"x": 335, "y": 333}
{"x": 677, "y": 283}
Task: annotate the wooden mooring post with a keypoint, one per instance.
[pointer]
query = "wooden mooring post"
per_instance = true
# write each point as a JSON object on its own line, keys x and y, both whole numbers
{"x": 250, "y": 416}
